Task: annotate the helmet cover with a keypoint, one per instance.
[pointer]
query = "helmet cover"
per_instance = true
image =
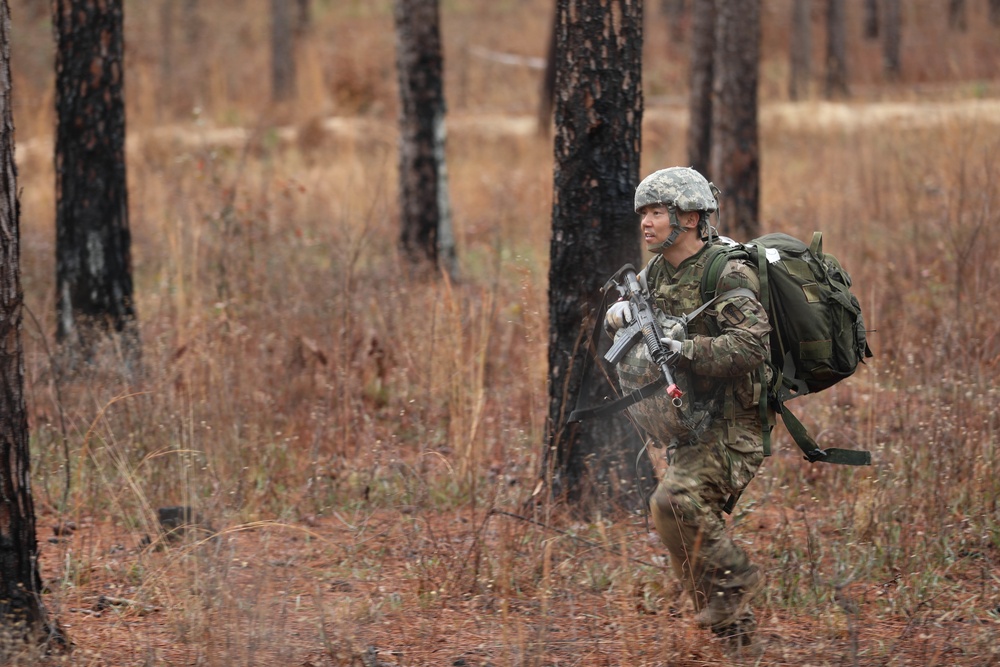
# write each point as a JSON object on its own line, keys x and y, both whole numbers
{"x": 680, "y": 187}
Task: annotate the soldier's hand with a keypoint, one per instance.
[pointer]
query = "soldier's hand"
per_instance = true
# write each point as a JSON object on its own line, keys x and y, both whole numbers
{"x": 673, "y": 338}
{"x": 618, "y": 315}
{"x": 673, "y": 345}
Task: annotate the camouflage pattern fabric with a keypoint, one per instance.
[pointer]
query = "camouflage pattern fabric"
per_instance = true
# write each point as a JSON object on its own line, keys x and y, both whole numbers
{"x": 665, "y": 423}
{"x": 722, "y": 359}
{"x": 687, "y": 511}
{"x": 682, "y": 187}
{"x": 742, "y": 344}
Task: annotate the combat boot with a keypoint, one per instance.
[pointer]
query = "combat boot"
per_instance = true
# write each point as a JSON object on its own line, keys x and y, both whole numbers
{"x": 737, "y": 639}
{"x": 728, "y": 604}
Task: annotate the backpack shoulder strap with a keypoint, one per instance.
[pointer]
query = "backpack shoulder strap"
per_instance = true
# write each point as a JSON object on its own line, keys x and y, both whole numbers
{"x": 715, "y": 262}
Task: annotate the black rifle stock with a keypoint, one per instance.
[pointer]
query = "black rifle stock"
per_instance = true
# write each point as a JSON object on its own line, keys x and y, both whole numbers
{"x": 643, "y": 325}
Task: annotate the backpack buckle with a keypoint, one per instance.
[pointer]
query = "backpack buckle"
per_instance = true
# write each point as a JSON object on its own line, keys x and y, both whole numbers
{"x": 815, "y": 455}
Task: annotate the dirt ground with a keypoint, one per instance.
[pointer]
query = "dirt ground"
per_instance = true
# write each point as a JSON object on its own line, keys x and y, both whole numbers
{"x": 405, "y": 587}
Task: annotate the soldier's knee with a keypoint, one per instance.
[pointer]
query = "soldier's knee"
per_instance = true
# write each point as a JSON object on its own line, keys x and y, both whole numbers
{"x": 670, "y": 505}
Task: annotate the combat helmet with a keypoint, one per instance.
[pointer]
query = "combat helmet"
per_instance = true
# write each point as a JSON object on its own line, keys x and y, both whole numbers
{"x": 680, "y": 188}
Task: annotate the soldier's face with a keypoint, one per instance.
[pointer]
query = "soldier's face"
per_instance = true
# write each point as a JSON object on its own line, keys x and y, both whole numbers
{"x": 655, "y": 224}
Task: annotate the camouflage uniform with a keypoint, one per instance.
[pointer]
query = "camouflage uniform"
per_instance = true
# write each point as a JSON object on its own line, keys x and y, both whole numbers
{"x": 724, "y": 359}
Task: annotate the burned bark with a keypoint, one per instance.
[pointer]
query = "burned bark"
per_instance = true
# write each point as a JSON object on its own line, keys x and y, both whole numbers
{"x": 598, "y": 117}
{"x": 22, "y": 616}
{"x": 425, "y": 208}
{"x": 94, "y": 295}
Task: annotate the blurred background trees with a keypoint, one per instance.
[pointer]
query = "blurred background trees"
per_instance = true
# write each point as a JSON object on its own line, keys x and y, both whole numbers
{"x": 189, "y": 58}
{"x": 702, "y": 60}
{"x": 424, "y": 204}
{"x": 836, "y": 49}
{"x": 282, "y": 50}
{"x": 800, "y": 50}
{"x": 735, "y": 150}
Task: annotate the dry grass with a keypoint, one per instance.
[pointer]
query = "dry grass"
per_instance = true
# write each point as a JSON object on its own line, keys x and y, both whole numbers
{"x": 353, "y": 429}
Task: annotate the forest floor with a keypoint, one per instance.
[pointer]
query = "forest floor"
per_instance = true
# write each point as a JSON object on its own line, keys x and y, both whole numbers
{"x": 417, "y": 587}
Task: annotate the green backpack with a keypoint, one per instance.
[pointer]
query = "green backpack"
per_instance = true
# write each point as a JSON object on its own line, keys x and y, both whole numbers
{"x": 818, "y": 333}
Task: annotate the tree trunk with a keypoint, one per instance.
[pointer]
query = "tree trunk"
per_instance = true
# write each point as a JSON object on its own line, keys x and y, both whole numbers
{"x": 891, "y": 40}
{"x": 193, "y": 26}
{"x": 674, "y": 11}
{"x": 21, "y": 613}
{"x": 282, "y": 52}
{"x": 93, "y": 261}
{"x": 548, "y": 88}
{"x": 303, "y": 17}
{"x": 956, "y": 15}
{"x": 836, "y": 50}
{"x": 165, "y": 90}
{"x": 598, "y": 119}
{"x": 735, "y": 149}
{"x": 870, "y": 20}
{"x": 699, "y": 137}
{"x": 425, "y": 209}
{"x": 800, "y": 59}
{"x": 182, "y": 76}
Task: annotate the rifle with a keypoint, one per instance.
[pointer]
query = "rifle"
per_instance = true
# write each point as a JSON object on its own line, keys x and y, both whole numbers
{"x": 644, "y": 325}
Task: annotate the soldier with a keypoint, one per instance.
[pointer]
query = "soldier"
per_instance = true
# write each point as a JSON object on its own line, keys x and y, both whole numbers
{"x": 722, "y": 356}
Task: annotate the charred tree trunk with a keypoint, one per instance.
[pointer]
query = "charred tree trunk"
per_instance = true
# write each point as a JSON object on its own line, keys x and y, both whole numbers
{"x": 94, "y": 297}
{"x": 548, "y": 90}
{"x": 957, "y": 16}
{"x": 21, "y": 614}
{"x": 735, "y": 147}
{"x": 165, "y": 91}
{"x": 598, "y": 118}
{"x": 182, "y": 75}
{"x": 891, "y": 40}
{"x": 193, "y": 25}
{"x": 836, "y": 50}
{"x": 282, "y": 52}
{"x": 425, "y": 209}
{"x": 303, "y": 17}
{"x": 702, "y": 71}
{"x": 800, "y": 72}
{"x": 870, "y": 23}
{"x": 674, "y": 11}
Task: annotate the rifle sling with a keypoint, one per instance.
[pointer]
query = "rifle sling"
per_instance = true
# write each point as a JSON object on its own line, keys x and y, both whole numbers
{"x": 647, "y": 390}
{"x": 618, "y": 404}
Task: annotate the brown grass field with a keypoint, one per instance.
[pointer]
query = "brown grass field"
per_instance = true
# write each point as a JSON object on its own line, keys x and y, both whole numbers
{"x": 361, "y": 438}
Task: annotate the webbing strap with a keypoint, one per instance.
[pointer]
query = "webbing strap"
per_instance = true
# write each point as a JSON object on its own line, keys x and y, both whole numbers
{"x": 847, "y": 457}
{"x": 619, "y": 403}
{"x": 739, "y": 291}
{"x": 647, "y": 390}
{"x": 765, "y": 295}
{"x": 816, "y": 247}
{"x": 765, "y": 423}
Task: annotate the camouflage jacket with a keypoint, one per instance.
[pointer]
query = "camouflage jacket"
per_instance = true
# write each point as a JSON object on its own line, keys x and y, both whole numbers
{"x": 727, "y": 343}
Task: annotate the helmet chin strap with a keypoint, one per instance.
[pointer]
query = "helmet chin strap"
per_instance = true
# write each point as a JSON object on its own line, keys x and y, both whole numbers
{"x": 675, "y": 231}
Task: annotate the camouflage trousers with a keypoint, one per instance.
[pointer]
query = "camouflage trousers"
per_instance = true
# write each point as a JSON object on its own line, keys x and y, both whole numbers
{"x": 687, "y": 510}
